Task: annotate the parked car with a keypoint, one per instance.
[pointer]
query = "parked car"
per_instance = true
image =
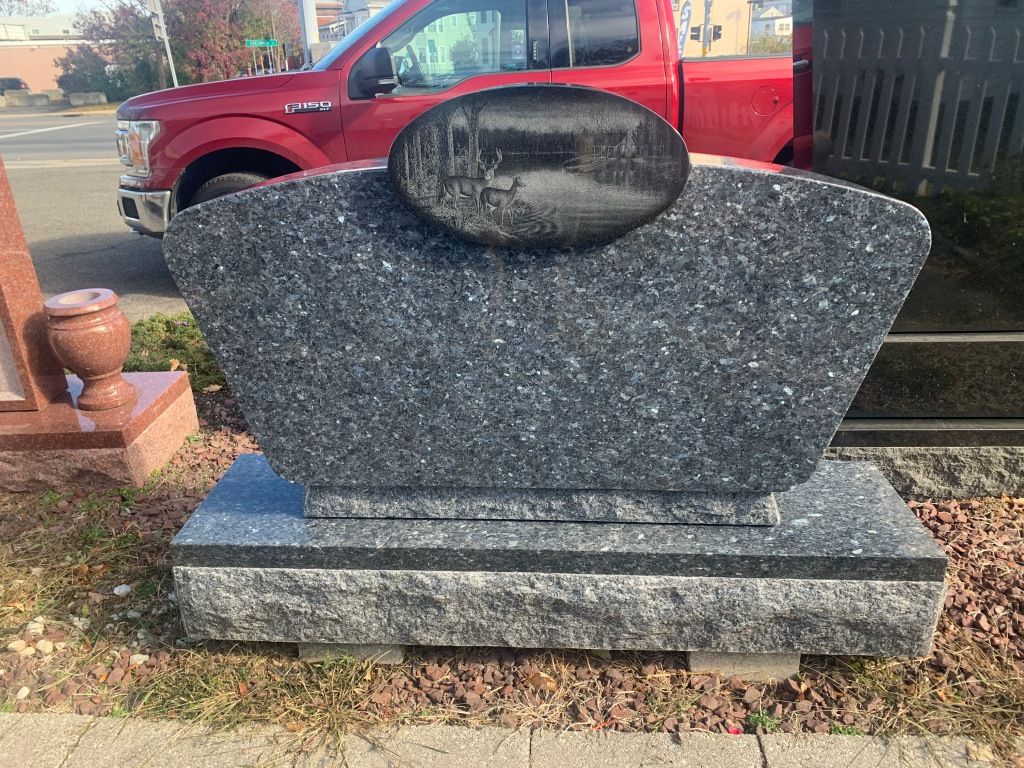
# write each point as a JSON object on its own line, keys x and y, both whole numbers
{"x": 187, "y": 145}
{"x": 12, "y": 84}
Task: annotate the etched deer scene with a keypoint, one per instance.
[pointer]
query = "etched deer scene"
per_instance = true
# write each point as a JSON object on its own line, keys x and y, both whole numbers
{"x": 539, "y": 165}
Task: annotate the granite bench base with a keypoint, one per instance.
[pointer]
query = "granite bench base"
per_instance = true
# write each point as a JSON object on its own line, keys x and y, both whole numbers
{"x": 848, "y": 570}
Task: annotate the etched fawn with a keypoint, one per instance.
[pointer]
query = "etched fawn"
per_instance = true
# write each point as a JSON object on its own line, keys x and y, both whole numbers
{"x": 492, "y": 198}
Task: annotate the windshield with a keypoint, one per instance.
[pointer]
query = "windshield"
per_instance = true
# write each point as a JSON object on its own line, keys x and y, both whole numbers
{"x": 358, "y": 34}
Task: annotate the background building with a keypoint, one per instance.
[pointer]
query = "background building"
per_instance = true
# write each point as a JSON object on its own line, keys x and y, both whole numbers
{"x": 743, "y": 27}
{"x": 30, "y": 44}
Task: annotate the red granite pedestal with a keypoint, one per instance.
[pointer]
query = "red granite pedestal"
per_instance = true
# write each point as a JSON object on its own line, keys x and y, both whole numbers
{"x": 64, "y": 447}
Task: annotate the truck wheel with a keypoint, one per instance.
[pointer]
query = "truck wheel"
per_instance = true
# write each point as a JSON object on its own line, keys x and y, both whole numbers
{"x": 225, "y": 185}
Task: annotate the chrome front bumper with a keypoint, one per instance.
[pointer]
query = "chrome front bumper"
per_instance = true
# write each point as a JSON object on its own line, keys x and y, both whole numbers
{"x": 145, "y": 212}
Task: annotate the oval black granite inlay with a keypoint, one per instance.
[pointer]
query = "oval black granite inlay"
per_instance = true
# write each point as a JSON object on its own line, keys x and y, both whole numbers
{"x": 539, "y": 165}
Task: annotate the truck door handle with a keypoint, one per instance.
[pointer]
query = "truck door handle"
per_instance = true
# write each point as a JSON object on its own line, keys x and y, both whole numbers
{"x": 800, "y": 65}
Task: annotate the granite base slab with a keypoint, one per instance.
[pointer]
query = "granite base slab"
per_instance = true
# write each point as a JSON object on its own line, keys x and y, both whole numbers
{"x": 848, "y": 570}
{"x": 560, "y": 610}
{"x": 542, "y": 505}
{"x": 64, "y": 447}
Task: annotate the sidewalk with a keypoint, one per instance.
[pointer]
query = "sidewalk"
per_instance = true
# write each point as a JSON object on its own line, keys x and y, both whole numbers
{"x": 73, "y": 741}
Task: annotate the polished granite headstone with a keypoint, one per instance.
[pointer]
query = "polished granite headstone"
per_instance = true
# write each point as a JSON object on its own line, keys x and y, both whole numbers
{"x": 711, "y": 351}
{"x": 47, "y": 442}
{"x": 588, "y": 447}
{"x": 538, "y": 165}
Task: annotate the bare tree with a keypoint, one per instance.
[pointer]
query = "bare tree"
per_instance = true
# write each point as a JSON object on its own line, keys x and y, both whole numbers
{"x": 472, "y": 109}
{"x": 26, "y": 7}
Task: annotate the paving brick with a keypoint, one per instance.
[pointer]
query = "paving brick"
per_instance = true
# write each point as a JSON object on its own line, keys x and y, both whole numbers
{"x": 801, "y": 751}
{"x": 643, "y": 750}
{"x": 439, "y": 746}
{"x": 41, "y": 741}
{"x": 124, "y": 743}
{"x": 746, "y": 666}
{"x": 7, "y": 720}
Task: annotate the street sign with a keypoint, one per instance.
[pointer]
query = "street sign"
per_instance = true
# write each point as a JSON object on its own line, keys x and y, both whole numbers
{"x": 156, "y": 14}
{"x": 159, "y": 30}
{"x": 261, "y": 43}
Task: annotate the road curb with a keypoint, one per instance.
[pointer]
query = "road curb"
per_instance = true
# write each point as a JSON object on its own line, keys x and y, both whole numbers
{"x": 75, "y": 741}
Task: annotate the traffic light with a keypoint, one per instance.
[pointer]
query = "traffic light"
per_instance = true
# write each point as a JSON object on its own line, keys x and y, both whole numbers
{"x": 716, "y": 32}
{"x": 695, "y": 33}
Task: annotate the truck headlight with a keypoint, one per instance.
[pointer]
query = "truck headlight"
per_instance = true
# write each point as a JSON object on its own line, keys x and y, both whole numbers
{"x": 133, "y": 140}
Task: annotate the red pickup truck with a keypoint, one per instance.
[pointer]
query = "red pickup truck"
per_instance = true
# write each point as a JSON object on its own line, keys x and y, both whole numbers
{"x": 187, "y": 145}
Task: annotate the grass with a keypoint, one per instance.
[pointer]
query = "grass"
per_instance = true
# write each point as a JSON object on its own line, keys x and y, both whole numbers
{"x": 174, "y": 342}
{"x": 983, "y": 696}
{"x": 110, "y": 106}
{"x": 249, "y": 685}
{"x": 766, "y": 722}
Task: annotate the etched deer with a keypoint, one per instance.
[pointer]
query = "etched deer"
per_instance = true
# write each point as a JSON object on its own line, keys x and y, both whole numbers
{"x": 455, "y": 187}
{"x": 493, "y": 198}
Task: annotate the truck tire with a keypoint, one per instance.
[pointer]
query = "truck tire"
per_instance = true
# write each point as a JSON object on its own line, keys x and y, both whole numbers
{"x": 225, "y": 184}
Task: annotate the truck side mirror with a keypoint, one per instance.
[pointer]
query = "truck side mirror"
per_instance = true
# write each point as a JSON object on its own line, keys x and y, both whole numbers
{"x": 374, "y": 73}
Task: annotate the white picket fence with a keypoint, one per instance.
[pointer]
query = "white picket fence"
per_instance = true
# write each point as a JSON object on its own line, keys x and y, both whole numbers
{"x": 919, "y": 94}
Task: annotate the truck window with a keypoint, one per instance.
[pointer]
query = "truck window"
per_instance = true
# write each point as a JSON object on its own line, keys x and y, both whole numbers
{"x": 735, "y": 28}
{"x": 451, "y": 40}
{"x": 600, "y": 33}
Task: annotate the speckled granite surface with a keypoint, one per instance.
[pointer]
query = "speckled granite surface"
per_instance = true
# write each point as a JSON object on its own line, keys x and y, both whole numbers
{"x": 559, "y": 610}
{"x": 845, "y": 523}
{"x": 712, "y": 350}
{"x": 550, "y": 505}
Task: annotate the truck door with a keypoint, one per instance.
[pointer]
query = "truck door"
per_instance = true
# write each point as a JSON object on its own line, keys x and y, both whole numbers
{"x": 448, "y": 48}
{"x": 598, "y": 43}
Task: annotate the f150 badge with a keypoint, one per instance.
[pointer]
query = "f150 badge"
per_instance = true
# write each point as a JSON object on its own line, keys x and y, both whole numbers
{"x": 308, "y": 106}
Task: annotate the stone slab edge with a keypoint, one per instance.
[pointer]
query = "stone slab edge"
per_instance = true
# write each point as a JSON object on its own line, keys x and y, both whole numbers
{"x": 559, "y": 610}
{"x": 154, "y": 446}
{"x": 846, "y": 524}
{"x": 944, "y": 472}
{"x": 547, "y": 505}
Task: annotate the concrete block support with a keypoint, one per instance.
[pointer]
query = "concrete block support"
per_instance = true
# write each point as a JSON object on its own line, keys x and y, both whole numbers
{"x": 381, "y": 654}
{"x": 755, "y": 667}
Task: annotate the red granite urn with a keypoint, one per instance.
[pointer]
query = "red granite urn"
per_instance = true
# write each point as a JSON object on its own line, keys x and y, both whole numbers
{"x": 91, "y": 336}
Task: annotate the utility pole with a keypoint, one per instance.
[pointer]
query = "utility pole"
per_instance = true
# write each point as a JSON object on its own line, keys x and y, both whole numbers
{"x": 156, "y": 15}
{"x": 310, "y": 30}
{"x": 705, "y": 39}
{"x": 277, "y": 49}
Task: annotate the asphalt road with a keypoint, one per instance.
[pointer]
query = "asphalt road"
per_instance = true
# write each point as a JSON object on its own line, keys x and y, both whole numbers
{"x": 63, "y": 170}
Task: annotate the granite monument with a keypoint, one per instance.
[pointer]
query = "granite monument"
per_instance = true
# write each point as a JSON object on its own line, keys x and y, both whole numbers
{"x": 70, "y": 431}
{"x": 570, "y": 442}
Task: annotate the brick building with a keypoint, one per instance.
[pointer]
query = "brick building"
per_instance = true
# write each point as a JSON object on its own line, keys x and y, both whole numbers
{"x": 29, "y": 46}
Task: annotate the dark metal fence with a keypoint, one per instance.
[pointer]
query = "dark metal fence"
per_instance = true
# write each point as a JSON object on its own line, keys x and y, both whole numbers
{"x": 926, "y": 98}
